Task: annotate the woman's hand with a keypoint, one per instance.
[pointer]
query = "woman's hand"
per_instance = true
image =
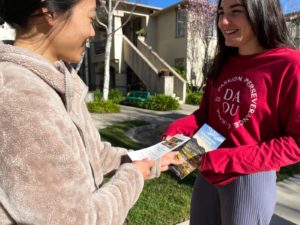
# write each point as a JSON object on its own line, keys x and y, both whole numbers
{"x": 144, "y": 166}
{"x": 166, "y": 138}
{"x": 170, "y": 158}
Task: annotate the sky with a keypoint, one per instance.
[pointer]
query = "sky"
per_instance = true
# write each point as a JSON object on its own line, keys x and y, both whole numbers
{"x": 287, "y": 5}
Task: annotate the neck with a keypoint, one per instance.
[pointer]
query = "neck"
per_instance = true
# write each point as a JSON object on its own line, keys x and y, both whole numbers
{"x": 251, "y": 51}
{"x": 36, "y": 42}
{"x": 252, "y": 47}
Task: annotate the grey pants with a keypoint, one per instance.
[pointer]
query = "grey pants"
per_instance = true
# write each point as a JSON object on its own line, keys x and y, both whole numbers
{"x": 249, "y": 200}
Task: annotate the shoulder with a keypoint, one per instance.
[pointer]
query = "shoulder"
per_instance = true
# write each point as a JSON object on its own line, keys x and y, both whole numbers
{"x": 288, "y": 55}
{"x": 20, "y": 86}
{"x": 18, "y": 74}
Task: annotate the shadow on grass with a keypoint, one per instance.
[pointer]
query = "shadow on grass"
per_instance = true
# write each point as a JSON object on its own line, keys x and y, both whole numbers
{"x": 116, "y": 134}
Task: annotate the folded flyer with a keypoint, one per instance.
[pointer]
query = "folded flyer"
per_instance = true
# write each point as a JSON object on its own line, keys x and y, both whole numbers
{"x": 204, "y": 140}
{"x": 156, "y": 151}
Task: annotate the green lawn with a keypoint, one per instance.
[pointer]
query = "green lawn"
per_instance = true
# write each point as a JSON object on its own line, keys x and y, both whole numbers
{"x": 164, "y": 201}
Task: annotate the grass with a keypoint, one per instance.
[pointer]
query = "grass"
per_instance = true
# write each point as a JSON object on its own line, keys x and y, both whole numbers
{"x": 166, "y": 200}
{"x": 288, "y": 171}
{"x": 116, "y": 134}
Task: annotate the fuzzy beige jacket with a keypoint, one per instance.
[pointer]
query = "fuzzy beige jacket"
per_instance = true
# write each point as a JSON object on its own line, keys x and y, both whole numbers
{"x": 52, "y": 160}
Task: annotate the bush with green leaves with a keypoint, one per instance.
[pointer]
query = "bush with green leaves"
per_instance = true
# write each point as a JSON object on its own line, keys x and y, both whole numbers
{"x": 134, "y": 104}
{"x": 116, "y": 96}
{"x": 180, "y": 70}
{"x": 97, "y": 95}
{"x": 161, "y": 102}
{"x": 101, "y": 106}
{"x": 193, "y": 98}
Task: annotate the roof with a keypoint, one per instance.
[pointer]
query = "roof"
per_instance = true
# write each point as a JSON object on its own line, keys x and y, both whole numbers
{"x": 174, "y": 6}
{"x": 143, "y": 5}
{"x": 292, "y": 15}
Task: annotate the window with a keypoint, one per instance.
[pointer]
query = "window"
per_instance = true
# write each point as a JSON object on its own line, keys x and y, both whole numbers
{"x": 180, "y": 23}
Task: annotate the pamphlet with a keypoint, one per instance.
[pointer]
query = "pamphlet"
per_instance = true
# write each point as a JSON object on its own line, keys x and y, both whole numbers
{"x": 190, "y": 149}
{"x": 156, "y": 151}
{"x": 204, "y": 140}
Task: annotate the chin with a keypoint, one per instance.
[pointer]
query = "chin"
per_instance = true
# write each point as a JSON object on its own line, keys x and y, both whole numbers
{"x": 74, "y": 59}
{"x": 231, "y": 44}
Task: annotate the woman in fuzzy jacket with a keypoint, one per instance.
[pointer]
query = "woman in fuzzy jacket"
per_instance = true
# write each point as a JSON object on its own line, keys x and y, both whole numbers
{"x": 52, "y": 160}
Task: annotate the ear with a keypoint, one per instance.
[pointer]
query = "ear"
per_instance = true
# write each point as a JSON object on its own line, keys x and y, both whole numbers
{"x": 49, "y": 17}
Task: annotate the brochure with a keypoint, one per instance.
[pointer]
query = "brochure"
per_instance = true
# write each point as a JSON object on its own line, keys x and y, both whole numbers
{"x": 156, "y": 151}
{"x": 190, "y": 149}
{"x": 204, "y": 140}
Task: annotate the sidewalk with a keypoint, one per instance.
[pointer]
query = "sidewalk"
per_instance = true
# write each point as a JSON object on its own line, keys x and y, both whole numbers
{"x": 287, "y": 211}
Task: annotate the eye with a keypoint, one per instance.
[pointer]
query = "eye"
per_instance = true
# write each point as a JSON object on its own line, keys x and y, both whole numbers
{"x": 220, "y": 12}
{"x": 93, "y": 22}
{"x": 236, "y": 11}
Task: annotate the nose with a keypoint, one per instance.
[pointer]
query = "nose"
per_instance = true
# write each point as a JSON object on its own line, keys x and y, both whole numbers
{"x": 224, "y": 20}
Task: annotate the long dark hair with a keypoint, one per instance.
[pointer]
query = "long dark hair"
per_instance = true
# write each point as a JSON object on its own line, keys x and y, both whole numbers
{"x": 17, "y": 12}
{"x": 268, "y": 24}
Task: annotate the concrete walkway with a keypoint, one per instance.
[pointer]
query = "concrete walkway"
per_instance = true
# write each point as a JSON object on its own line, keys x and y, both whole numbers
{"x": 287, "y": 211}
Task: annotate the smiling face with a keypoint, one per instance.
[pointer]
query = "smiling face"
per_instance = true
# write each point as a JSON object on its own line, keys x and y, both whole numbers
{"x": 68, "y": 43}
{"x": 236, "y": 29}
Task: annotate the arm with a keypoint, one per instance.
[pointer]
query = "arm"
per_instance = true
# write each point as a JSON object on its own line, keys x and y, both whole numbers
{"x": 45, "y": 175}
{"x": 107, "y": 159}
{"x": 267, "y": 155}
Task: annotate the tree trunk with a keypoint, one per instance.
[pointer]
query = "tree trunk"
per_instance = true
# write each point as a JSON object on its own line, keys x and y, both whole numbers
{"x": 107, "y": 53}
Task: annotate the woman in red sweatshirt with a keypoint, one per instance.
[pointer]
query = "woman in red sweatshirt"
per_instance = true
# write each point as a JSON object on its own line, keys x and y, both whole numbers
{"x": 252, "y": 97}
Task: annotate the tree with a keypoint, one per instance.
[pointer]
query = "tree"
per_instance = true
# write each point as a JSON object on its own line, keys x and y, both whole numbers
{"x": 109, "y": 8}
{"x": 201, "y": 22}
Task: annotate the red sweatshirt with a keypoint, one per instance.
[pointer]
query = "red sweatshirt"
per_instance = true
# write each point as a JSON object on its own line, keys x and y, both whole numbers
{"x": 255, "y": 104}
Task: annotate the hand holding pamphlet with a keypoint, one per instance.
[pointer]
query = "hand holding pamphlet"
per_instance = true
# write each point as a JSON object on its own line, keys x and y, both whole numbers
{"x": 190, "y": 149}
{"x": 204, "y": 140}
{"x": 156, "y": 151}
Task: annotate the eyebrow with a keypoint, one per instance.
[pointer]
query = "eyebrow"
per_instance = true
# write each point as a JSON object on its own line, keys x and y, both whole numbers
{"x": 232, "y": 6}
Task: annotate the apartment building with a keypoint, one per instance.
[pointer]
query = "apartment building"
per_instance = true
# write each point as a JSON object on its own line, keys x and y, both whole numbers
{"x": 293, "y": 24}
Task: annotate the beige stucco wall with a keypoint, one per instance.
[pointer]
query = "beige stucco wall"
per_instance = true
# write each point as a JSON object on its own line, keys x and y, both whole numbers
{"x": 293, "y": 23}
{"x": 168, "y": 46}
{"x": 161, "y": 35}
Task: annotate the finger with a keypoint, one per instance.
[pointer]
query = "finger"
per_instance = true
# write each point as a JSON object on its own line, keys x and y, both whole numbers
{"x": 149, "y": 162}
{"x": 164, "y": 168}
{"x": 177, "y": 161}
{"x": 168, "y": 138}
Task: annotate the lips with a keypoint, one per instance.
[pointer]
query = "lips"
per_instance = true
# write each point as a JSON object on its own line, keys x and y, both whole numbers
{"x": 230, "y": 32}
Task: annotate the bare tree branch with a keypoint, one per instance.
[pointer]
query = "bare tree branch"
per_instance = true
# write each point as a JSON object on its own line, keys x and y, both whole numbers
{"x": 102, "y": 24}
{"x": 116, "y": 5}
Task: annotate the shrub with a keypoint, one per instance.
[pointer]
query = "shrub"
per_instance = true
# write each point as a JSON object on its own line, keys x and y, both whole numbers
{"x": 193, "y": 98}
{"x": 101, "y": 106}
{"x": 180, "y": 70}
{"x": 134, "y": 104}
{"x": 97, "y": 95}
{"x": 116, "y": 96}
{"x": 161, "y": 103}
